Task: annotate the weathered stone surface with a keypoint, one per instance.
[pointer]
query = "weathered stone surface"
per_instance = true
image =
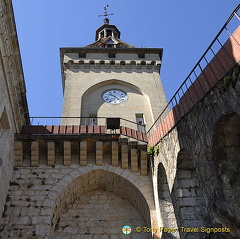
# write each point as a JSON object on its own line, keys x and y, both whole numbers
{"x": 37, "y": 207}
{"x": 100, "y": 213}
{"x": 211, "y": 125}
{"x": 74, "y": 190}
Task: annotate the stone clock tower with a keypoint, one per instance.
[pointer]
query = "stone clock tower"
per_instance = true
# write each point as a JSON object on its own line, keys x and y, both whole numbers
{"x": 111, "y": 78}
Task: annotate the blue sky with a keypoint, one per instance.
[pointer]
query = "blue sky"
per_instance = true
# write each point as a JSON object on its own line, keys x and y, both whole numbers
{"x": 183, "y": 28}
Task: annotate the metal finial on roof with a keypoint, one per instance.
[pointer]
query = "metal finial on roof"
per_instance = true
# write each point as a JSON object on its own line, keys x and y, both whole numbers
{"x": 106, "y": 19}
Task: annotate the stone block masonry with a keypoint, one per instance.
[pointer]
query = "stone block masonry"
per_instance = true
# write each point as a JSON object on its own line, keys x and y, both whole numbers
{"x": 50, "y": 153}
{"x": 200, "y": 158}
{"x": 49, "y": 150}
{"x": 13, "y": 104}
{"x": 98, "y": 214}
{"x": 46, "y": 202}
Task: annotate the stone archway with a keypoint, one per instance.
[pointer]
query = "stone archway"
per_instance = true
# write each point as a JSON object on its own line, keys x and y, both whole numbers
{"x": 92, "y": 104}
{"x": 97, "y": 214}
{"x": 187, "y": 196}
{"x": 226, "y": 156}
{"x": 81, "y": 193}
{"x": 165, "y": 204}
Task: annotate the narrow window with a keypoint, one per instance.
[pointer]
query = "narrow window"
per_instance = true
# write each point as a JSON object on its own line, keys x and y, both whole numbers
{"x": 4, "y": 123}
{"x": 102, "y": 34}
{"x": 112, "y": 55}
{"x": 109, "y": 33}
{"x": 82, "y": 54}
{"x": 110, "y": 45}
{"x": 141, "y": 55}
{"x": 140, "y": 123}
{"x": 92, "y": 120}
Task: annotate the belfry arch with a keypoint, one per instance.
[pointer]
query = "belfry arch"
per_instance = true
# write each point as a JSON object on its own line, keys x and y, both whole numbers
{"x": 92, "y": 104}
{"x": 113, "y": 82}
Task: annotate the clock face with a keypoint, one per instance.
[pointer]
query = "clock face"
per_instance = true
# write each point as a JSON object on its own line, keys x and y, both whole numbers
{"x": 114, "y": 96}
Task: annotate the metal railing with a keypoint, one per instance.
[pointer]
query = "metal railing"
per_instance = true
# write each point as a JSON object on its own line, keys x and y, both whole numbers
{"x": 194, "y": 84}
{"x": 85, "y": 121}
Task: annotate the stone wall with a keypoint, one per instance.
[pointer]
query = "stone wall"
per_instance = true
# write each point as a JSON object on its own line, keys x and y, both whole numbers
{"x": 13, "y": 106}
{"x": 165, "y": 203}
{"x": 39, "y": 198}
{"x": 99, "y": 214}
{"x": 189, "y": 204}
{"x": 210, "y": 135}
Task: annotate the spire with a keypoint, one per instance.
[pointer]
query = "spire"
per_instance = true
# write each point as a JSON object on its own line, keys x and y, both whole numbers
{"x": 106, "y": 19}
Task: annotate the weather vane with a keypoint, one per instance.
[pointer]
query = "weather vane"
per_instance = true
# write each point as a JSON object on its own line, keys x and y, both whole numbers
{"x": 106, "y": 19}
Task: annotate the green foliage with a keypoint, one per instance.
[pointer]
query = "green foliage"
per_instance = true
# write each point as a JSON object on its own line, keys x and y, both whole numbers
{"x": 226, "y": 81}
{"x": 153, "y": 150}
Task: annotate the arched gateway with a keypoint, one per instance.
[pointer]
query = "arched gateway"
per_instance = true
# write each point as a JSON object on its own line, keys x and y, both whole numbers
{"x": 100, "y": 201}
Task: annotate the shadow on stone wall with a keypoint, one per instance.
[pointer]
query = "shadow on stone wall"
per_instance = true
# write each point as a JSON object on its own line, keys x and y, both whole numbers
{"x": 187, "y": 197}
{"x": 165, "y": 204}
{"x": 210, "y": 133}
{"x": 226, "y": 157}
{"x": 105, "y": 181}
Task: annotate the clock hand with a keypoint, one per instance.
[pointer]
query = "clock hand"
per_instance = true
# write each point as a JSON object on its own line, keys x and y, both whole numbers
{"x": 115, "y": 96}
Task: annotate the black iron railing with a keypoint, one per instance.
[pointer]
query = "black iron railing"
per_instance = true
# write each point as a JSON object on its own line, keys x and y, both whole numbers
{"x": 216, "y": 61}
{"x": 88, "y": 121}
{"x": 213, "y": 65}
{"x": 85, "y": 126}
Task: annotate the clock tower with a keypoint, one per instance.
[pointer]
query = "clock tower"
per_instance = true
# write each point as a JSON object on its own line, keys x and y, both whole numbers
{"x": 111, "y": 78}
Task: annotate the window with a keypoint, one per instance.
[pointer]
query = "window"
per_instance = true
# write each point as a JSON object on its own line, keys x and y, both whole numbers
{"x": 141, "y": 55}
{"x": 4, "y": 130}
{"x": 115, "y": 34}
{"x": 82, "y": 54}
{"x": 140, "y": 123}
{"x": 111, "y": 54}
{"x": 4, "y": 123}
{"x": 109, "y": 33}
{"x": 110, "y": 45}
{"x": 102, "y": 34}
{"x": 92, "y": 121}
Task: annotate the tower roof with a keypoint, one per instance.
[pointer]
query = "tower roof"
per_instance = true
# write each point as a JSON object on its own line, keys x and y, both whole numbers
{"x": 108, "y": 36}
{"x": 107, "y": 27}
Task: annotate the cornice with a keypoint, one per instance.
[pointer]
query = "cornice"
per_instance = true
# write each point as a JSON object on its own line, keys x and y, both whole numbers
{"x": 110, "y": 64}
{"x": 64, "y": 50}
